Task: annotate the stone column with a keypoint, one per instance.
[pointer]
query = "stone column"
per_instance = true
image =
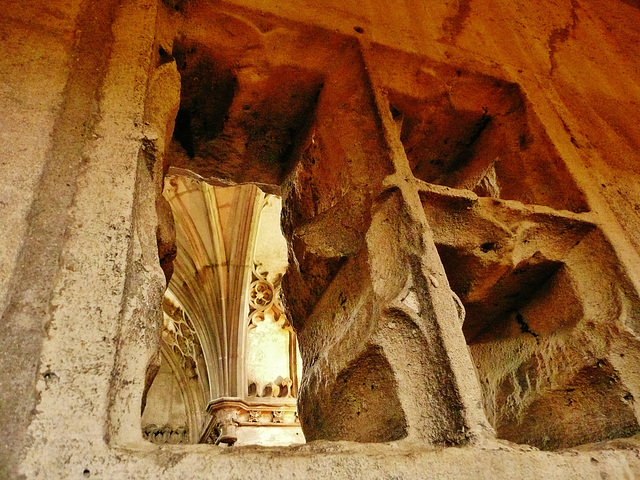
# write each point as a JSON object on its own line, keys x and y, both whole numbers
{"x": 380, "y": 332}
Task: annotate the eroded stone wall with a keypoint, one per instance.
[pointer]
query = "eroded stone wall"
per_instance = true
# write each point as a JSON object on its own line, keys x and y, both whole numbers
{"x": 376, "y": 123}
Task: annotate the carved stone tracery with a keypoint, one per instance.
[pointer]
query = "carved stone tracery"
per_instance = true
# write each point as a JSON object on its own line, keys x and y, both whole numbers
{"x": 265, "y": 304}
{"x": 530, "y": 105}
{"x": 266, "y": 296}
{"x": 182, "y": 339}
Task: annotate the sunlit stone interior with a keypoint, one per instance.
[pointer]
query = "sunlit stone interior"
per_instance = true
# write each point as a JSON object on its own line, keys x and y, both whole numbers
{"x": 229, "y": 365}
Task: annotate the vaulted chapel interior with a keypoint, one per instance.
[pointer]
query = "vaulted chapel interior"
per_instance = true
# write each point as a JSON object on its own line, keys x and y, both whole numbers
{"x": 324, "y": 239}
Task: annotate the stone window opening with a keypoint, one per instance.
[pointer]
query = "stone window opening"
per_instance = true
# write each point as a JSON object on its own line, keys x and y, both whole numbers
{"x": 223, "y": 303}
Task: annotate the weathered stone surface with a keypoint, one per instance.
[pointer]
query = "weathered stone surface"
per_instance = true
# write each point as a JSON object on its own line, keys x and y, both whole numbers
{"x": 339, "y": 460}
{"x": 380, "y": 296}
{"x": 47, "y": 100}
{"x": 539, "y": 340}
{"x": 533, "y": 104}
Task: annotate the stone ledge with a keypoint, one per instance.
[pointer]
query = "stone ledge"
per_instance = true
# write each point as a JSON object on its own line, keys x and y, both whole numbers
{"x": 616, "y": 459}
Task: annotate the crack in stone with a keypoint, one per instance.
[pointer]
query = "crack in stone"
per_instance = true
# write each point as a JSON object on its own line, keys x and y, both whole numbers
{"x": 524, "y": 326}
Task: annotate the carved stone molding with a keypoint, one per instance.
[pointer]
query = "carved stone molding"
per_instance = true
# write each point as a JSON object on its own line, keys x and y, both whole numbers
{"x": 166, "y": 434}
{"x": 280, "y": 388}
{"x": 229, "y": 413}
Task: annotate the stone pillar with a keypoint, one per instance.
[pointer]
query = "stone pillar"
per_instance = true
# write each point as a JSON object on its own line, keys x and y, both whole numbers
{"x": 380, "y": 333}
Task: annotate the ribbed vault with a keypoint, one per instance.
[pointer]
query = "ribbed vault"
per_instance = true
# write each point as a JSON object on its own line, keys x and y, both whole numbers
{"x": 213, "y": 237}
{"x": 230, "y": 258}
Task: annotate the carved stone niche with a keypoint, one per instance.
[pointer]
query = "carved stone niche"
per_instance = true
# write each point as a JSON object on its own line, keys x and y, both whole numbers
{"x": 379, "y": 242}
